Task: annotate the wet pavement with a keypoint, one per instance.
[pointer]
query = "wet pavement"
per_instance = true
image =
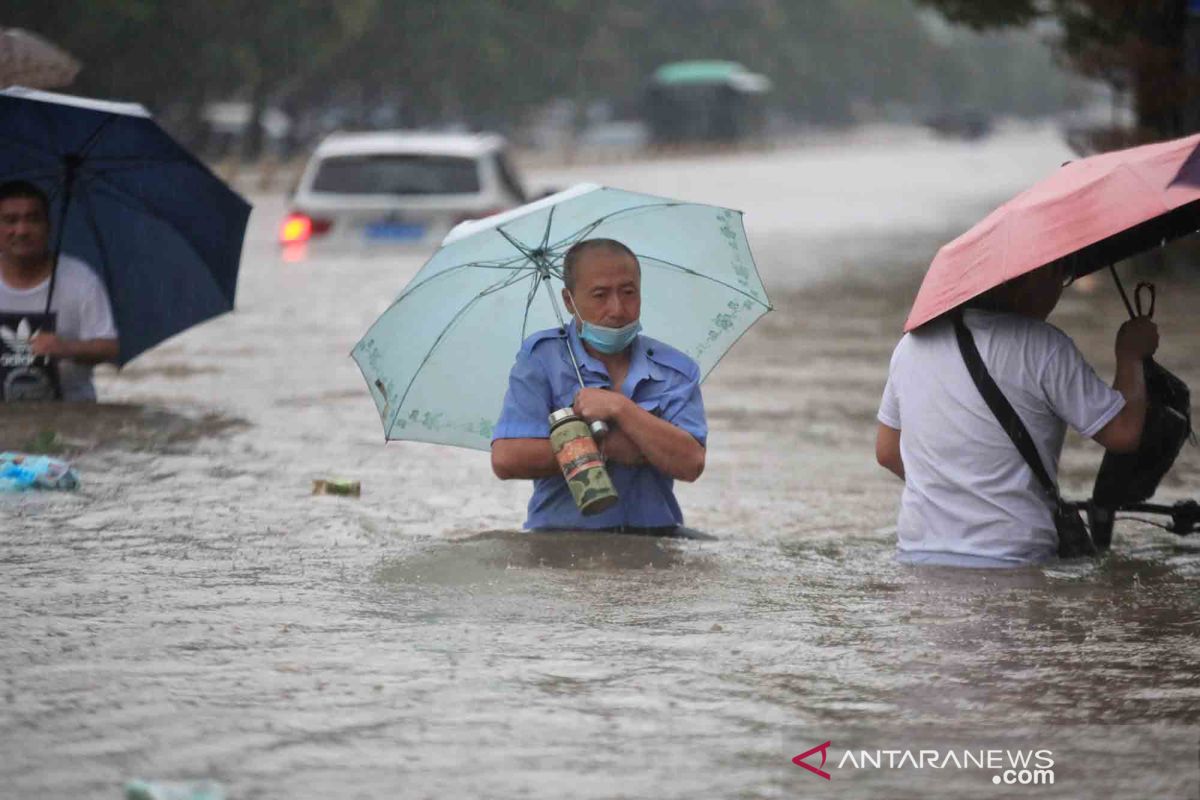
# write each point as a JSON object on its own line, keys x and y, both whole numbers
{"x": 193, "y": 611}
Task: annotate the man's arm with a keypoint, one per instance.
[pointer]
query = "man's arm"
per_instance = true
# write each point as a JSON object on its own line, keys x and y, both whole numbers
{"x": 521, "y": 447}
{"x": 523, "y": 459}
{"x": 887, "y": 450}
{"x": 668, "y": 448}
{"x": 86, "y": 351}
{"x": 1136, "y": 341}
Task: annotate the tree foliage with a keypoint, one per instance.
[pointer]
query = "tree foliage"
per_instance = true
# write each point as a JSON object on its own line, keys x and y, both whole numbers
{"x": 487, "y": 63}
{"x": 1133, "y": 46}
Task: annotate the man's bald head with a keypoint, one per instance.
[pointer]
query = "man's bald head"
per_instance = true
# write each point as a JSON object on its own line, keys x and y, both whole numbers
{"x": 578, "y": 250}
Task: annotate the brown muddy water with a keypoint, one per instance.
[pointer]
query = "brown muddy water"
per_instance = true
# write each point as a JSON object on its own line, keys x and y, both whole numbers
{"x": 194, "y": 612}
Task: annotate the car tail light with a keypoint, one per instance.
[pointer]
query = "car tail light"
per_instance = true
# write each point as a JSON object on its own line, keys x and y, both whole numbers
{"x": 298, "y": 228}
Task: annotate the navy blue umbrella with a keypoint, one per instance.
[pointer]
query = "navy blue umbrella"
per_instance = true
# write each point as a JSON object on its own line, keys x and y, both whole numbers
{"x": 164, "y": 233}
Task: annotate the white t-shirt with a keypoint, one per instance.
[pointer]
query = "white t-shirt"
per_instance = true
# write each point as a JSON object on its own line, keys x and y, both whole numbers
{"x": 969, "y": 497}
{"x": 83, "y": 312}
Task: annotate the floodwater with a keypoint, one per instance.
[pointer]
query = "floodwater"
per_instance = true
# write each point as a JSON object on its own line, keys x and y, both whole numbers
{"x": 194, "y": 612}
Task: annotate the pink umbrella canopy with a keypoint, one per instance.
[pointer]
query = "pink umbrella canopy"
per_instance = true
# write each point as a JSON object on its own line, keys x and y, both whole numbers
{"x": 1089, "y": 214}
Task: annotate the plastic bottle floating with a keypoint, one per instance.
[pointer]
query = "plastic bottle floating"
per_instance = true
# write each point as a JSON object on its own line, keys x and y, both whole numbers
{"x": 20, "y": 471}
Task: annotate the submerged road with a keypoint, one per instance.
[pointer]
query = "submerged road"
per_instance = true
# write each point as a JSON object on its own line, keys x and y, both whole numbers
{"x": 192, "y": 611}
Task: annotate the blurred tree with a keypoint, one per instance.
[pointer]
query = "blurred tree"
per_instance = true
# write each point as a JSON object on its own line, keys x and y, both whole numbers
{"x": 276, "y": 48}
{"x": 1132, "y": 46}
{"x": 183, "y": 53}
{"x": 486, "y": 64}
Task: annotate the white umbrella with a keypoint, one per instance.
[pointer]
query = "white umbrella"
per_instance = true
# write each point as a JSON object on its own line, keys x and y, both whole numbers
{"x": 437, "y": 362}
{"x": 29, "y": 60}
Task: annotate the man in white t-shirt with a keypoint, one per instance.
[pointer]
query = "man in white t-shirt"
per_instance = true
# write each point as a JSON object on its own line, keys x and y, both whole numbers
{"x": 969, "y": 498}
{"x": 79, "y": 331}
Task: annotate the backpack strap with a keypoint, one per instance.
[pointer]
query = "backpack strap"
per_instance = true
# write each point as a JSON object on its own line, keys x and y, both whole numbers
{"x": 1001, "y": 408}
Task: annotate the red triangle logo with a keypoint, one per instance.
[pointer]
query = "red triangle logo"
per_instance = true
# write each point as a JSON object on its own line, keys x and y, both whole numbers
{"x": 822, "y": 748}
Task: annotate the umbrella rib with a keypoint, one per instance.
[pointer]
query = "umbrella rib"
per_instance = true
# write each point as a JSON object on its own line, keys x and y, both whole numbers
{"x": 591, "y": 226}
{"x": 529, "y": 304}
{"x": 554, "y": 264}
{"x": 91, "y": 140}
{"x": 696, "y": 274}
{"x": 523, "y": 249}
{"x": 527, "y": 254}
{"x": 473, "y": 265}
{"x": 766, "y": 296}
{"x": 549, "y": 223}
{"x": 499, "y": 285}
{"x": 508, "y": 263}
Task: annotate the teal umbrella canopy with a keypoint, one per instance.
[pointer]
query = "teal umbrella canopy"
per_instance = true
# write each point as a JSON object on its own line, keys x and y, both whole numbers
{"x": 437, "y": 360}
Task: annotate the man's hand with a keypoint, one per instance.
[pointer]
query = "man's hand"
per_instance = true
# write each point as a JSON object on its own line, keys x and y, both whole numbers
{"x": 669, "y": 449}
{"x": 618, "y": 447}
{"x": 49, "y": 345}
{"x": 91, "y": 351}
{"x": 605, "y": 404}
{"x": 1137, "y": 339}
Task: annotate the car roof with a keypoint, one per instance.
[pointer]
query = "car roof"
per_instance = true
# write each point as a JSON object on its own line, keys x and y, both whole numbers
{"x": 376, "y": 142}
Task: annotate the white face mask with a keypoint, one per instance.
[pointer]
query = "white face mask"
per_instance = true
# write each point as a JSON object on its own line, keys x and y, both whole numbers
{"x": 607, "y": 340}
{"x": 610, "y": 340}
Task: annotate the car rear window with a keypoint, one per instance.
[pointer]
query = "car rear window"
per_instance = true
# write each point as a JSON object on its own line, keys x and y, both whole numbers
{"x": 397, "y": 174}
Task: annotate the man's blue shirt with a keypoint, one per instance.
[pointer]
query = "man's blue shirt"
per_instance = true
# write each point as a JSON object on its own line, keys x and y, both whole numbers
{"x": 661, "y": 380}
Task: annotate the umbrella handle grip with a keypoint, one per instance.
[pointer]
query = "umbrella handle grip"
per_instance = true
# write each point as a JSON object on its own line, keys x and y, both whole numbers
{"x": 1137, "y": 299}
{"x": 599, "y": 429}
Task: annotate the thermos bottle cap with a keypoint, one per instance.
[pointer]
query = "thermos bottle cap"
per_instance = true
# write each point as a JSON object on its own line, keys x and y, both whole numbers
{"x": 561, "y": 415}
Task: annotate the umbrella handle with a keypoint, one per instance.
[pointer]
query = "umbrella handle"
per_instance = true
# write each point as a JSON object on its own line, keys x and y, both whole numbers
{"x": 599, "y": 429}
{"x": 1137, "y": 299}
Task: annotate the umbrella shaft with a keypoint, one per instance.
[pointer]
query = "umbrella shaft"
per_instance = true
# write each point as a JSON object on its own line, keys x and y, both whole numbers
{"x": 563, "y": 325}
{"x": 1121, "y": 288}
{"x": 68, "y": 185}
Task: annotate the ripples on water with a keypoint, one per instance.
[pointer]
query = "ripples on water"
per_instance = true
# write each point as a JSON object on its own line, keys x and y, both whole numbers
{"x": 193, "y": 611}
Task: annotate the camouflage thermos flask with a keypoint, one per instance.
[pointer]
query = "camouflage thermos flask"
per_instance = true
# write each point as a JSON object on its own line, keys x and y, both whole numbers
{"x": 581, "y": 463}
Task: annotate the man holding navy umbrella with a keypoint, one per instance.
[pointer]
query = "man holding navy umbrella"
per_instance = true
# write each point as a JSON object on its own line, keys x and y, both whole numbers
{"x": 55, "y": 324}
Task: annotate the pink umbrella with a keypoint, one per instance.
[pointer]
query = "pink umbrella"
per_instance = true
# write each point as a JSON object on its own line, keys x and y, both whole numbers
{"x": 1089, "y": 214}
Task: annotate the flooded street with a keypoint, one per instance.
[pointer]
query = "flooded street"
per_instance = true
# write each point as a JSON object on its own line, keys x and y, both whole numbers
{"x": 193, "y": 611}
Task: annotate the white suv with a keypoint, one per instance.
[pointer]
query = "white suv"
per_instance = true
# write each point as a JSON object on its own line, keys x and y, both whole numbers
{"x": 361, "y": 189}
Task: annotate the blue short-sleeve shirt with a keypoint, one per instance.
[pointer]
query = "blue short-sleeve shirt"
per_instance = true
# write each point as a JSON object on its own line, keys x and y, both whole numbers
{"x": 661, "y": 379}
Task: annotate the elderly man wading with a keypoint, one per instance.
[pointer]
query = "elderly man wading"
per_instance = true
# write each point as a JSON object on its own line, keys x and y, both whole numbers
{"x": 646, "y": 391}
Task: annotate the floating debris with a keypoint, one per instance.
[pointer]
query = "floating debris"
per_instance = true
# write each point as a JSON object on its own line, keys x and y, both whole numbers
{"x": 337, "y": 486}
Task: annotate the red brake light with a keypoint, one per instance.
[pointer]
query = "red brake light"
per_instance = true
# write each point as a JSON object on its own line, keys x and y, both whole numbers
{"x": 299, "y": 228}
{"x": 296, "y": 228}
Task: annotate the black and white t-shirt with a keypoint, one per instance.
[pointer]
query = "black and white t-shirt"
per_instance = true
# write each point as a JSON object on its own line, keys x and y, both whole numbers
{"x": 81, "y": 310}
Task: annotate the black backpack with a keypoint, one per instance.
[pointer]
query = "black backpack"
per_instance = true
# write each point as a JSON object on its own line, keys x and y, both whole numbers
{"x": 1127, "y": 478}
